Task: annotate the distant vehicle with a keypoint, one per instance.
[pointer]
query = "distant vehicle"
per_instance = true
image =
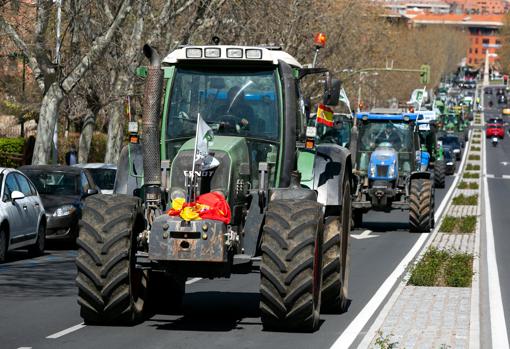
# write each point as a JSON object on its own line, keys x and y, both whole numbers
{"x": 449, "y": 158}
{"x": 502, "y": 99}
{"x": 62, "y": 190}
{"x": 469, "y": 84}
{"x": 498, "y": 121}
{"x": 494, "y": 141}
{"x": 495, "y": 130}
{"x": 500, "y": 92}
{"x": 22, "y": 218}
{"x": 505, "y": 111}
{"x": 102, "y": 174}
{"x": 453, "y": 142}
{"x": 488, "y": 91}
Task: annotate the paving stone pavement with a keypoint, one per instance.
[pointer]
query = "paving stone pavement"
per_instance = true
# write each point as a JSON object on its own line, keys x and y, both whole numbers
{"x": 463, "y": 211}
{"x": 464, "y": 243}
{"x": 429, "y": 317}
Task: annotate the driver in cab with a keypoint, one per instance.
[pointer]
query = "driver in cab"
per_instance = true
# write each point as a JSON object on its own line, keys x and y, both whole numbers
{"x": 235, "y": 112}
{"x": 390, "y": 135}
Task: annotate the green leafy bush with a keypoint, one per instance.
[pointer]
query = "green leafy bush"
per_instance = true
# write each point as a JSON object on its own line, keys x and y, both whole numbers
{"x": 468, "y": 185}
{"x": 10, "y": 146}
{"x": 465, "y": 200}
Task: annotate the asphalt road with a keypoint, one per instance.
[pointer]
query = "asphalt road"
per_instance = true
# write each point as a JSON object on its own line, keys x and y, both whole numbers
{"x": 38, "y": 299}
{"x": 498, "y": 179}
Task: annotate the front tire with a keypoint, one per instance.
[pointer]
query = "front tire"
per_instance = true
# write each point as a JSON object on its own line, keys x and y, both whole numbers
{"x": 291, "y": 268}
{"x": 439, "y": 174}
{"x": 3, "y": 245}
{"x": 110, "y": 289}
{"x": 421, "y": 212}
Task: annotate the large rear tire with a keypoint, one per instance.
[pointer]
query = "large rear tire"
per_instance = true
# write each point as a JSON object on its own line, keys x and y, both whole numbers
{"x": 421, "y": 211}
{"x": 110, "y": 289}
{"x": 335, "y": 279}
{"x": 439, "y": 173}
{"x": 291, "y": 268}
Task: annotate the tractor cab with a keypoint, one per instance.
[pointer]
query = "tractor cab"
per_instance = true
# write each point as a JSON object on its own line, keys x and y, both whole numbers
{"x": 395, "y": 131}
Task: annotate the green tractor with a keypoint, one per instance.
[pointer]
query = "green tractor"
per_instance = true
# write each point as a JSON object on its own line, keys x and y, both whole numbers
{"x": 453, "y": 123}
{"x": 428, "y": 136}
{"x": 285, "y": 202}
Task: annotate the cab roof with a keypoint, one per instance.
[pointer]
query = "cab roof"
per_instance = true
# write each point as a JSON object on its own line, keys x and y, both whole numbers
{"x": 230, "y": 53}
{"x": 389, "y": 117}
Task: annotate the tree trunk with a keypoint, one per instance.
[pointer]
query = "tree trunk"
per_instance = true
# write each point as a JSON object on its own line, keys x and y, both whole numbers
{"x": 86, "y": 136}
{"x": 115, "y": 132}
{"x": 47, "y": 120}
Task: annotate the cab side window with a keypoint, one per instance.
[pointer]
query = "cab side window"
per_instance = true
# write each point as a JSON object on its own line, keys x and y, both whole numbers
{"x": 23, "y": 184}
{"x": 85, "y": 186}
{"x": 10, "y": 186}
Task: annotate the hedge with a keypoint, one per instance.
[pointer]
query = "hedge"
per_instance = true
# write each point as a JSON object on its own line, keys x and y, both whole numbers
{"x": 10, "y": 146}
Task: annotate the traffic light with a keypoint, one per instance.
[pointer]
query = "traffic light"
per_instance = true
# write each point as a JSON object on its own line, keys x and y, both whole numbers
{"x": 505, "y": 79}
{"x": 425, "y": 74}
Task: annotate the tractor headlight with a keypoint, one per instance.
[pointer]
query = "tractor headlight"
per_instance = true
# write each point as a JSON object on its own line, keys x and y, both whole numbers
{"x": 456, "y": 151}
{"x": 391, "y": 171}
{"x": 64, "y": 211}
{"x": 176, "y": 193}
{"x": 449, "y": 163}
{"x": 372, "y": 170}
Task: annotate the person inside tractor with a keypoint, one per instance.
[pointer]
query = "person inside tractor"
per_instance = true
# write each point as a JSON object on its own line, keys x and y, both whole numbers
{"x": 390, "y": 135}
{"x": 337, "y": 134}
{"x": 425, "y": 158}
{"x": 235, "y": 108}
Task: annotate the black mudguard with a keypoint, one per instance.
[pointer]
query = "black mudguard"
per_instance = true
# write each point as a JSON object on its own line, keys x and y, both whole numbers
{"x": 421, "y": 175}
{"x": 129, "y": 170}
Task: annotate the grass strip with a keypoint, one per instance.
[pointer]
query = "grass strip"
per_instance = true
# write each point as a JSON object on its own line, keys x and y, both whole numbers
{"x": 458, "y": 225}
{"x": 470, "y": 200}
{"x": 471, "y": 175}
{"x": 472, "y": 167}
{"x": 468, "y": 185}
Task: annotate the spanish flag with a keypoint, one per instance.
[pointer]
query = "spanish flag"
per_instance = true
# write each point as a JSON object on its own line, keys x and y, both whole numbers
{"x": 325, "y": 115}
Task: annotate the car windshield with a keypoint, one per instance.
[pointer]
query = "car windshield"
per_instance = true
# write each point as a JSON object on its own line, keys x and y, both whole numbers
{"x": 55, "y": 183}
{"x": 103, "y": 177}
{"x": 448, "y": 154}
{"x": 454, "y": 141}
{"x": 395, "y": 133}
{"x": 495, "y": 121}
{"x": 498, "y": 126}
{"x": 233, "y": 102}
{"x": 339, "y": 133}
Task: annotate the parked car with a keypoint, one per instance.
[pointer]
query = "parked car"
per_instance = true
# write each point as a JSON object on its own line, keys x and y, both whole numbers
{"x": 453, "y": 142}
{"x": 62, "y": 190}
{"x": 488, "y": 91}
{"x": 22, "y": 216}
{"x": 500, "y": 92}
{"x": 102, "y": 174}
{"x": 502, "y": 99}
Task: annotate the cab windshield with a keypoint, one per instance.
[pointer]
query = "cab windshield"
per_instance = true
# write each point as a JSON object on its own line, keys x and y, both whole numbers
{"x": 395, "y": 133}
{"x": 234, "y": 103}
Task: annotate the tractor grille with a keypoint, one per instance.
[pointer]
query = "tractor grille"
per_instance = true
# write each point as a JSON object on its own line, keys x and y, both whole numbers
{"x": 184, "y": 162}
{"x": 382, "y": 170}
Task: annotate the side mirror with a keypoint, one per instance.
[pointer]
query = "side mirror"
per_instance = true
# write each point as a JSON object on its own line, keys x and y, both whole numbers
{"x": 17, "y": 195}
{"x": 91, "y": 192}
{"x": 331, "y": 90}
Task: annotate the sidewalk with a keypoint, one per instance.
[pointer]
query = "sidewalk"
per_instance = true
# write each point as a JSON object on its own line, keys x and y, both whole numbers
{"x": 439, "y": 317}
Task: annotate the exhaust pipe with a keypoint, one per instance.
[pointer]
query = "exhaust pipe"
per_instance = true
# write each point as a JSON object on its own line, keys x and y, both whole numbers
{"x": 151, "y": 129}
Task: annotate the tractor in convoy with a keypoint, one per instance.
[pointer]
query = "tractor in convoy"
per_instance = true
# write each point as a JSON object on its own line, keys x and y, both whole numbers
{"x": 428, "y": 137}
{"x": 226, "y": 177}
{"x": 388, "y": 173}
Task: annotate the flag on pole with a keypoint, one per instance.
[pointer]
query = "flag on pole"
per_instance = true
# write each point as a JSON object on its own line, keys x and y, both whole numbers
{"x": 345, "y": 100}
{"x": 325, "y": 115}
{"x": 203, "y": 137}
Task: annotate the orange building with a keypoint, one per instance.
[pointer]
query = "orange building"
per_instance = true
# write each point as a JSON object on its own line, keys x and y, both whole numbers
{"x": 490, "y": 7}
{"x": 482, "y": 30}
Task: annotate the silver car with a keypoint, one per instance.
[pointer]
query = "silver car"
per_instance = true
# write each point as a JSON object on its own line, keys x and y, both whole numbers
{"x": 22, "y": 216}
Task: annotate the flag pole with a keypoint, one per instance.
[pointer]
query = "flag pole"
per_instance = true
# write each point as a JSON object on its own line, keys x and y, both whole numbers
{"x": 192, "y": 185}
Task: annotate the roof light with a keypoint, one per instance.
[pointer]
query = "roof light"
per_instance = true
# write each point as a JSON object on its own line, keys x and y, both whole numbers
{"x": 320, "y": 40}
{"x": 212, "y": 52}
{"x": 406, "y": 117}
{"x": 364, "y": 117}
{"x": 193, "y": 52}
{"x": 234, "y": 53}
{"x": 253, "y": 53}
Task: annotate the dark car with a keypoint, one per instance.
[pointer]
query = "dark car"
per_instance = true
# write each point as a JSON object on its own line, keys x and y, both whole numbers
{"x": 449, "y": 158}
{"x": 62, "y": 190}
{"x": 498, "y": 121}
{"x": 502, "y": 99}
{"x": 452, "y": 142}
{"x": 488, "y": 91}
{"x": 500, "y": 92}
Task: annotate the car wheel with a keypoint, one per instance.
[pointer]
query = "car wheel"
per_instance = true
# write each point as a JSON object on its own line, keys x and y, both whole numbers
{"x": 3, "y": 245}
{"x": 37, "y": 249}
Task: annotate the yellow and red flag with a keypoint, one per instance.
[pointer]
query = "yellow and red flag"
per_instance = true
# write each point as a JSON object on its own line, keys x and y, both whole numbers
{"x": 325, "y": 115}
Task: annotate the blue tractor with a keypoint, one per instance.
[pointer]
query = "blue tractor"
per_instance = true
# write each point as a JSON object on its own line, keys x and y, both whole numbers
{"x": 387, "y": 169}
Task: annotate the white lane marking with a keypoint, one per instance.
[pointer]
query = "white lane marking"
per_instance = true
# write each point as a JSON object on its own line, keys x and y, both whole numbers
{"x": 504, "y": 163}
{"x": 191, "y": 281}
{"x": 489, "y": 175}
{"x": 505, "y": 176}
{"x": 66, "y": 331}
{"x": 364, "y": 235}
{"x": 499, "y": 335}
{"x": 25, "y": 348}
{"x": 356, "y": 326}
